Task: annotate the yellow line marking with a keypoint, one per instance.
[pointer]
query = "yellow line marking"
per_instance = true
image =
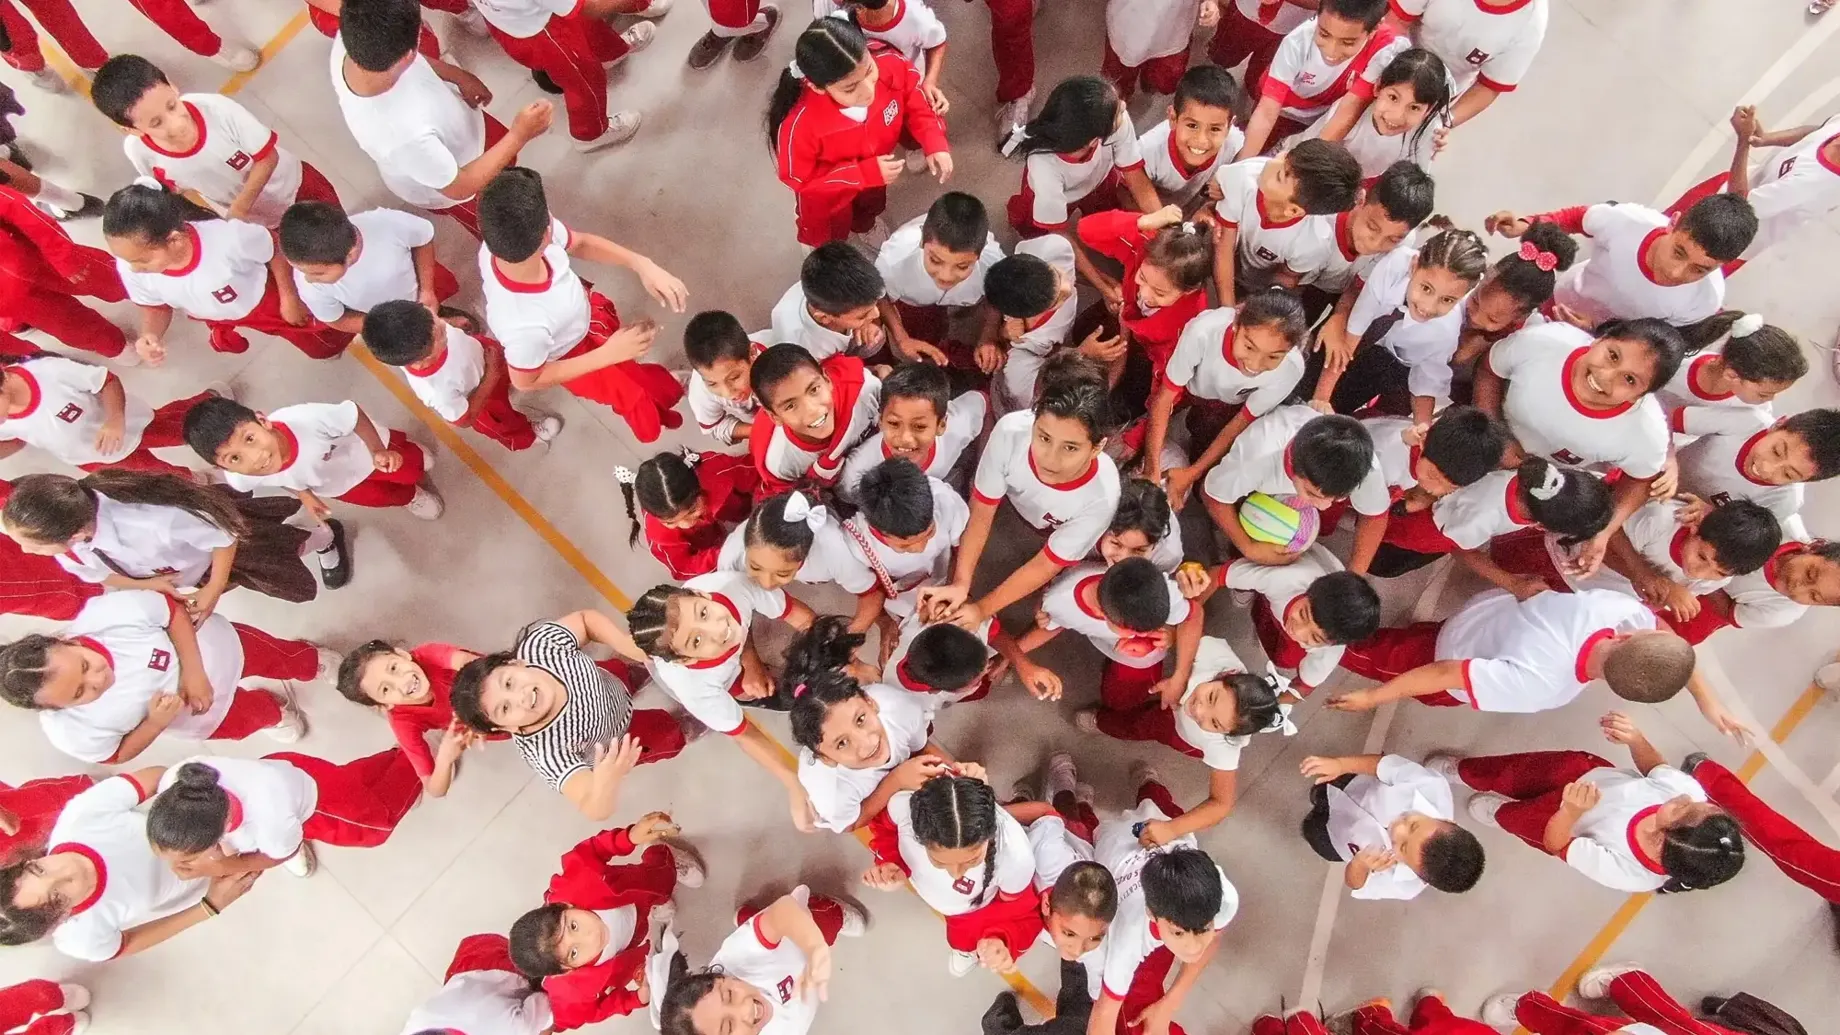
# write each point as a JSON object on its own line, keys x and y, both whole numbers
{"x": 274, "y": 46}
{"x": 67, "y": 70}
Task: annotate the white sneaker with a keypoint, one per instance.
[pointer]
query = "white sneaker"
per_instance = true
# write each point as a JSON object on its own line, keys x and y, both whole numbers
{"x": 1013, "y": 116}
{"x": 474, "y": 22}
{"x": 1444, "y": 763}
{"x": 640, "y": 36}
{"x": 425, "y": 504}
{"x": 1086, "y": 720}
{"x": 301, "y": 863}
{"x": 327, "y": 665}
{"x": 49, "y": 81}
{"x": 79, "y": 1022}
{"x": 1499, "y": 1010}
{"x": 1595, "y": 983}
{"x": 621, "y": 127}
{"x": 76, "y": 997}
{"x": 662, "y": 914}
{"x": 1484, "y": 804}
{"x": 547, "y": 428}
{"x": 855, "y": 921}
{"x": 958, "y": 964}
{"x": 1062, "y": 776}
{"x": 690, "y": 872}
{"x": 293, "y": 724}
{"x": 1827, "y": 677}
{"x": 655, "y": 9}
{"x": 236, "y": 57}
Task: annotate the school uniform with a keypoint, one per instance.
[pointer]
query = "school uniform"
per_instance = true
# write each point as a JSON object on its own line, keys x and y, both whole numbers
{"x": 1486, "y": 45}
{"x": 623, "y": 895}
{"x": 1175, "y": 727}
{"x": 1799, "y": 856}
{"x": 786, "y": 460}
{"x": 1280, "y": 589}
{"x": 1373, "y": 151}
{"x": 707, "y": 688}
{"x": 924, "y": 306}
{"x": 1170, "y": 169}
{"x": 728, "y": 485}
{"x": 562, "y": 318}
{"x": 900, "y": 575}
{"x": 1399, "y": 356}
{"x": 1683, "y": 391}
{"x": 914, "y": 30}
{"x": 1134, "y": 660}
{"x": 448, "y": 383}
{"x": 597, "y": 708}
{"x": 1055, "y": 185}
{"x": 1007, "y": 908}
{"x": 35, "y": 1007}
{"x": 777, "y": 968}
{"x": 1790, "y": 188}
{"x": 1300, "y": 244}
{"x": 719, "y": 416}
{"x": 106, "y": 825}
{"x": 827, "y": 154}
{"x": 1260, "y": 461}
{"x": 281, "y": 800}
{"x": 1657, "y": 534}
{"x": 1476, "y": 514}
{"x": 561, "y": 40}
{"x": 230, "y": 140}
{"x": 143, "y": 541}
{"x": 35, "y": 806}
{"x": 60, "y": 19}
{"x": 412, "y": 723}
{"x": 792, "y": 321}
{"x": 1202, "y": 366}
{"x": 1362, "y": 812}
{"x": 837, "y": 792}
{"x": 384, "y": 270}
{"x": 1642, "y": 998}
{"x": 483, "y": 995}
{"x": 1057, "y": 846}
{"x": 1073, "y": 515}
{"x": 327, "y": 458}
{"x": 964, "y": 424}
{"x": 228, "y": 287}
{"x": 1430, "y": 1015}
{"x": 1342, "y": 264}
{"x": 1614, "y": 280}
{"x": 1154, "y": 330}
{"x": 1716, "y": 465}
{"x": 43, "y": 271}
{"x": 830, "y": 559}
{"x": 1306, "y": 86}
{"x": 1251, "y": 31}
{"x": 64, "y": 413}
{"x": 897, "y": 673}
{"x": 1548, "y": 420}
{"x": 1026, "y": 354}
{"x": 1752, "y": 601}
{"x": 1148, "y": 37}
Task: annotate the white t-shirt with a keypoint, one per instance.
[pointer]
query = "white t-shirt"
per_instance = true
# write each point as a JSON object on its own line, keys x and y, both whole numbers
{"x": 523, "y": 19}
{"x": 953, "y": 896}
{"x": 1530, "y": 656}
{"x": 1133, "y": 934}
{"x": 1282, "y": 586}
{"x": 1361, "y": 814}
{"x": 1074, "y": 514}
{"x": 225, "y": 280}
{"x": 1057, "y": 184}
{"x": 776, "y": 969}
{"x": 447, "y": 386}
{"x": 1549, "y": 421}
{"x": 1300, "y": 244}
{"x": 1376, "y": 153}
{"x": 1398, "y": 461}
{"x": 1307, "y": 85}
{"x": 1494, "y": 46}
{"x": 1180, "y": 181}
{"x": 1478, "y": 512}
{"x": 1344, "y": 265}
{"x": 1683, "y": 392}
{"x": 1057, "y": 848}
{"x": 270, "y": 800}
{"x": 419, "y": 132}
{"x": 829, "y": 560}
{"x": 791, "y": 321}
{"x": 896, "y": 671}
{"x": 1142, "y": 30}
{"x": 537, "y": 323}
{"x": 230, "y": 142}
{"x": 836, "y": 792}
{"x": 1260, "y": 461}
{"x": 1793, "y": 187}
{"x": 1065, "y": 606}
{"x": 329, "y": 457}
{"x": 914, "y": 31}
{"x": 145, "y": 540}
{"x": 1424, "y": 347}
{"x": 964, "y": 423}
{"x": 702, "y": 687}
{"x": 902, "y": 263}
{"x": 384, "y": 272}
{"x": 134, "y": 886}
{"x": 483, "y": 1002}
{"x": 1615, "y": 280}
{"x": 1657, "y": 534}
{"x": 1757, "y": 602}
{"x": 1202, "y": 364}
{"x": 1713, "y": 466}
{"x": 64, "y": 411}
{"x": 910, "y": 571}
{"x": 717, "y": 415}
{"x": 1603, "y": 845}
{"x": 1027, "y": 353}
{"x": 1213, "y": 658}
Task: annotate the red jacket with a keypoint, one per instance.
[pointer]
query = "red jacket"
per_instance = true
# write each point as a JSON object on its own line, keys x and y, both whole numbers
{"x": 35, "y": 249}
{"x": 413, "y": 722}
{"x": 822, "y": 151}
{"x": 729, "y": 484}
{"x": 1115, "y": 235}
{"x": 598, "y": 991}
{"x": 846, "y": 377}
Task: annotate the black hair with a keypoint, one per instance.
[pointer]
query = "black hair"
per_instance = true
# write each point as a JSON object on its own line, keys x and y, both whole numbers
{"x": 927, "y": 381}
{"x": 1185, "y": 253}
{"x": 1275, "y": 307}
{"x": 1079, "y": 111}
{"x": 1743, "y": 535}
{"x": 22, "y": 925}
{"x": 1078, "y": 391}
{"x": 514, "y": 214}
{"x": 769, "y": 526}
{"x": 533, "y": 941}
{"x": 189, "y": 816}
{"x": 1135, "y": 594}
{"x": 684, "y": 989}
{"x": 469, "y": 683}
{"x": 945, "y": 658}
{"x": 399, "y": 332}
{"x": 1344, "y": 606}
{"x": 1367, "y": 12}
{"x": 1184, "y": 888}
{"x": 828, "y": 646}
{"x": 1021, "y": 286}
{"x": 1334, "y": 452}
{"x": 1767, "y": 354}
{"x": 1453, "y": 860}
{"x": 1465, "y": 443}
{"x": 1704, "y": 855}
{"x": 379, "y": 33}
{"x": 714, "y": 335}
{"x": 649, "y": 619}
{"x": 1664, "y": 343}
{"x": 1722, "y": 224}
{"x": 1430, "y": 82}
{"x": 828, "y": 50}
{"x": 665, "y": 486}
{"x": 1459, "y": 252}
{"x": 55, "y": 508}
{"x": 120, "y": 84}
{"x": 1086, "y": 889}
{"x": 896, "y": 498}
{"x": 1210, "y": 86}
{"x": 1819, "y": 428}
{"x": 1580, "y": 507}
{"x": 1523, "y": 279}
{"x": 1405, "y": 193}
{"x": 775, "y": 364}
{"x": 22, "y": 670}
{"x": 957, "y": 222}
{"x": 351, "y": 669}
{"x": 811, "y": 700}
{"x": 951, "y": 811}
{"x": 838, "y": 278}
{"x": 148, "y": 214}
{"x": 1328, "y": 177}
{"x": 1255, "y": 702}
{"x": 315, "y": 232}
{"x": 1143, "y": 506}
{"x": 213, "y": 423}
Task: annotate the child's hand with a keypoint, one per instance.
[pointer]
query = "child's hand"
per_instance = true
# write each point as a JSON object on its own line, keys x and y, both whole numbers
{"x": 151, "y": 349}
{"x": 317, "y": 508}
{"x": 108, "y": 437}
{"x": 664, "y": 288}
{"x": 1526, "y": 587}
{"x": 295, "y": 312}
{"x": 1157, "y": 832}
{"x": 1744, "y": 122}
{"x": 816, "y": 980}
{"x": 1620, "y": 729}
{"x": 1506, "y": 224}
{"x": 9, "y": 822}
{"x": 869, "y": 336}
{"x": 921, "y": 350}
{"x": 1168, "y": 691}
{"x": 1354, "y": 701}
{"x": 970, "y": 771}
{"x": 1337, "y": 349}
{"x": 1209, "y": 16}
{"x": 1040, "y": 681}
{"x": 1680, "y": 600}
{"x": 884, "y": 877}
{"x": 164, "y": 708}
{"x": 994, "y": 955}
{"x": 1214, "y": 191}
{"x": 1581, "y": 796}
{"x": 937, "y": 603}
{"x": 911, "y": 774}
{"x": 1097, "y": 346}
{"x": 1178, "y": 482}
{"x": 230, "y": 887}
{"x": 862, "y": 671}
{"x": 630, "y": 342}
{"x": 1724, "y": 721}
{"x": 804, "y": 817}
{"x": 755, "y": 683}
{"x": 652, "y": 828}
{"x": 201, "y": 605}
{"x": 455, "y": 739}
{"x": 1376, "y": 859}
{"x": 472, "y": 89}
{"x": 940, "y": 165}
{"x": 1440, "y": 139}
{"x": 937, "y": 98}
{"x": 1113, "y": 295}
{"x": 1168, "y": 215}
{"x": 196, "y": 690}
{"x": 1269, "y": 554}
{"x": 988, "y": 357}
{"x": 890, "y": 167}
{"x": 1322, "y": 768}
{"x": 1193, "y": 578}
{"x": 968, "y": 616}
{"x": 532, "y": 120}
{"x": 1692, "y": 510}
{"x": 1566, "y": 314}
{"x": 643, "y": 991}
{"x": 1667, "y": 481}
{"x": 386, "y": 460}
{"x": 1156, "y": 1018}
{"x": 616, "y": 760}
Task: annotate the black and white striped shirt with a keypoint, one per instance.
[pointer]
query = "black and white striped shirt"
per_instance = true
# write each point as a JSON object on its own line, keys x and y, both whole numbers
{"x": 598, "y": 709}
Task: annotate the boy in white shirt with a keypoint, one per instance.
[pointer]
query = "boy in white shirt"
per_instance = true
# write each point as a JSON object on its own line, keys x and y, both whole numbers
{"x": 1033, "y": 294}
{"x": 1306, "y": 612}
{"x": 1173, "y": 902}
{"x": 719, "y": 394}
{"x": 920, "y": 422}
{"x": 1671, "y": 554}
{"x": 456, "y": 375}
{"x": 1789, "y": 189}
{"x": 1273, "y": 213}
{"x": 933, "y": 266}
{"x": 835, "y": 307}
{"x": 1182, "y": 152}
{"x": 1748, "y": 366}
{"x": 1488, "y": 45}
{"x": 1340, "y": 51}
{"x": 345, "y": 266}
{"x": 1389, "y": 819}
{"x": 905, "y": 531}
{"x": 81, "y": 415}
{"x": 1743, "y": 454}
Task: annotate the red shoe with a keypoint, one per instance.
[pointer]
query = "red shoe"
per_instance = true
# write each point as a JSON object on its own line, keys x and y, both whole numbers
{"x": 225, "y": 339}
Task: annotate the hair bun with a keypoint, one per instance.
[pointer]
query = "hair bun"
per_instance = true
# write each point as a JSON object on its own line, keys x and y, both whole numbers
{"x": 1747, "y": 325}
{"x": 196, "y": 776}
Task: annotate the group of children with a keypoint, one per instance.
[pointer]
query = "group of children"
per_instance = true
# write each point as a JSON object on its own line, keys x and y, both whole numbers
{"x": 1247, "y": 314}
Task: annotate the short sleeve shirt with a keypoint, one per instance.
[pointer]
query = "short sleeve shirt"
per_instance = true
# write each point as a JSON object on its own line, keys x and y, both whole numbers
{"x": 1202, "y": 364}
{"x": 1793, "y": 187}
{"x": 1065, "y": 605}
{"x": 135, "y": 886}
{"x": 1075, "y": 514}
{"x": 776, "y": 968}
{"x": 1616, "y": 281}
{"x": 836, "y": 792}
{"x": 64, "y": 411}
{"x": 791, "y": 321}
{"x": 1213, "y": 659}
{"x": 145, "y": 540}
{"x": 598, "y": 709}
{"x": 1260, "y": 461}
{"x": 1531, "y": 655}
{"x": 1012, "y": 874}
{"x": 329, "y": 457}
{"x": 1362, "y": 813}
{"x": 419, "y": 132}
{"x": 1549, "y": 420}
{"x": 1283, "y": 586}
{"x": 1604, "y": 846}
{"x": 270, "y": 800}
{"x": 226, "y": 279}
{"x": 703, "y": 687}
{"x": 446, "y": 385}
{"x": 1718, "y": 467}
{"x": 1056, "y": 183}
{"x": 902, "y": 263}
{"x": 1176, "y": 173}
{"x": 1491, "y": 45}
{"x": 1424, "y": 347}
{"x": 537, "y": 323}
{"x": 231, "y": 141}
{"x": 1299, "y": 244}
{"x": 384, "y": 272}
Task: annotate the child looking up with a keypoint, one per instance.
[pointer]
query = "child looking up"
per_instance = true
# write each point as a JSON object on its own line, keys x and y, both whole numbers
{"x": 1080, "y": 154}
{"x": 1265, "y": 235}
{"x": 1173, "y": 902}
{"x": 414, "y": 689}
{"x": 1401, "y": 117}
{"x": 1519, "y": 284}
{"x": 1489, "y": 45}
{"x": 1745, "y": 363}
{"x": 346, "y": 266}
{"x": 1389, "y": 819}
{"x": 933, "y": 267}
{"x": 812, "y": 415}
{"x": 691, "y": 502}
{"x": 456, "y": 375}
{"x": 1166, "y": 262}
{"x": 921, "y": 423}
{"x": 835, "y": 307}
{"x": 719, "y": 396}
{"x": 1339, "y": 52}
{"x": 1306, "y": 612}
{"x": 1197, "y": 133}
{"x": 1745, "y": 454}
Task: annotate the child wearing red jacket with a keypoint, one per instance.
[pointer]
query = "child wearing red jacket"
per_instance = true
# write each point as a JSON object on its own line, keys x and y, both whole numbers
{"x": 26, "y": 815}
{"x": 413, "y": 687}
{"x": 42, "y": 271}
{"x": 589, "y": 941}
{"x": 692, "y": 501}
{"x": 1166, "y": 267}
{"x": 841, "y": 109}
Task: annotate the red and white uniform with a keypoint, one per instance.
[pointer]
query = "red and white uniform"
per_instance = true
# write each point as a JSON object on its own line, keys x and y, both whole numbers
{"x": 1530, "y": 656}
{"x": 384, "y": 270}
{"x": 1757, "y": 602}
{"x": 419, "y": 132}
{"x": 133, "y": 885}
{"x": 1361, "y": 816}
{"x": 792, "y": 321}
{"x": 1022, "y": 365}
{"x": 902, "y": 263}
{"x": 1203, "y": 366}
{"x": 1281, "y": 588}
{"x": 1615, "y": 280}
{"x": 42, "y": 271}
{"x": 1657, "y": 534}
{"x": 1073, "y": 514}
{"x": 718, "y": 415}
{"x": 777, "y": 969}
{"x": 836, "y": 792}
{"x": 270, "y": 801}
{"x": 1140, "y": 31}
{"x": 1307, "y": 85}
{"x": 1171, "y": 170}
{"x": 951, "y": 896}
{"x": 784, "y": 459}
{"x": 129, "y": 628}
{"x": 1300, "y": 244}
{"x": 1548, "y": 420}
{"x": 537, "y": 323}
{"x": 1057, "y": 848}
{"x": 1065, "y": 605}
{"x": 1484, "y": 509}
{"x": 1795, "y": 186}
{"x": 1398, "y": 461}
{"x": 964, "y": 423}
{"x": 914, "y": 31}
{"x": 483, "y": 1002}
{"x": 1276, "y": 18}
{"x": 230, "y": 141}
{"x": 624, "y": 896}
{"x": 1213, "y": 657}
{"x": 830, "y": 559}
{"x": 1054, "y": 183}
{"x": 1683, "y": 392}
{"x": 1133, "y": 937}
{"x": 522, "y": 18}
{"x": 1603, "y": 845}
{"x": 1423, "y": 347}
{"x": 906, "y": 572}
{"x": 225, "y": 280}
{"x": 329, "y": 457}
{"x": 727, "y": 484}
{"x": 446, "y": 384}
{"x": 1716, "y": 465}
{"x": 64, "y": 411}
{"x": 1374, "y": 151}
{"x": 896, "y": 670}
{"x": 144, "y": 540}
{"x": 1260, "y": 461}
{"x": 35, "y": 805}
{"x": 706, "y": 688}
{"x": 1480, "y": 43}
{"x": 1344, "y": 265}
{"x": 1153, "y": 329}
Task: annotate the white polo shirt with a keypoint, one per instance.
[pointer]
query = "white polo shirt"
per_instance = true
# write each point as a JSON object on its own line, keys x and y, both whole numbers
{"x": 1260, "y": 461}
{"x": 1549, "y": 421}
{"x": 777, "y": 969}
{"x": 483, "y": 1002}
{"x": 1202, "y": 365}
{"x": 1683, "y": 391}
{"x": 270, "y": 801}
{"x": 1074, "y": 514}
{"x": 1374, "y": 152}
{"x": 1213, "y": 659}
{"x": 1424, "y": 347}
{"x": 902, "y": 262}
{"x": 1057, "y": 848}
{"x": 1793, "y": 187}
{"x": 329, "y": 457}
{"x": 1307, "y": 85}
{"x": 1283, "y": 586}
{"x": 717, "y": 415}
{"x": 1064, "y": 605}
{"x": 1398, "y": 461}
{"x": 1615, "y": 280}
{"x": 791, "y": 321}
{"x": 523, "y": 18}
{"x": 1300, "y": 244}
{"x": 1343, "y": 265}
{"x": 1478, "y": 512}
{"x": 836, "y": 792}
{"x": 953, "y": 896}
{"x": 914, "y": 31}
{"x": 446, "y": 385}
{"x": 64, "y": 411}
{"x": 145, "y": 540}
{"x": 909, "y": 571}
{"x": 1171, "y": 170}
{"x": 964, "y": 423}
{"x": 133, "y": 885}
{"x": 702, "y": 687}
{"x": 1657, "y": 534}
{"x": 1057, "y": 183}
{"x": 1716, "y": 465}
{"x": 1603, "y": 845}
{"x": 230, "y": 142}
{"x": 1494, "y": 46}
{"x": 1027, "y": 353}
{"x": 1276, "y": 19}
{"x": 829, "y": 560}
{"x": 537, "y": 323}
{"x": 225, "y": 280}
{"x": 1133, "y": 936}
{"x": 1757, "y": 602}
{"x": 895, "y": 671}
{"x": 1361, "y": 815}
{"x": 1530, "y": 656}
{"x": 384, "y": 272}
{"x": 1143, "y": 30}
{"x": 419, "y": 132}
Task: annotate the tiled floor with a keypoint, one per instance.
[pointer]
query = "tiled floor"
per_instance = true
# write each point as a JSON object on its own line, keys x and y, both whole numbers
{"x": 1629, "y": 97}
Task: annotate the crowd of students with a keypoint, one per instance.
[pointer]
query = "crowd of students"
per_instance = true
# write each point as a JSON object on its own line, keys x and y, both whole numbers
{"x": 1247, "y": 314}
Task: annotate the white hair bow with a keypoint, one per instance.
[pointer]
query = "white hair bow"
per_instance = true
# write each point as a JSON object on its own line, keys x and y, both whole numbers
{"x": 1282, "y": 685}
{"x": 1746, "y": 325}
{"x": 1554, "y": 481}
{"x": 798, "y": 508}
{"x": 1282, "y": 724}
{"x": 793, "y": 70}
{"x": 658, "y": 973}
{"x": 692, "y": 457}
{"x": 1013, "y": 141}
{"x": 625, "y": 475}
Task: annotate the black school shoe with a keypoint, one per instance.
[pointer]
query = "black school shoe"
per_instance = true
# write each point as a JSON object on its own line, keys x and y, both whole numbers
{"x": 339, "y": 573}
{"x": 544, "y": 82}
{"x": 1004, "y": 1015}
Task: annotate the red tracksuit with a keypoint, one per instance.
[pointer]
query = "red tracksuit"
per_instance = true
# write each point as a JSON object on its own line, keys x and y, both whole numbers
{"x": 829, "y": 159}
{"x": 1238, "y": 38}
{"x": 1012, "y": 47}
{"x": 1115, "y": 235}
{"x": 265, "y": 656}
{"x": 1635, "y": 993}
{"x": 846, "y": 377}
{"x": 573, "y": 50}
{"x": 1798, "y": 855}
{"x": 1394, "y": 651}
{"x": 729, "y": 484}
{"x": 361, "y": 801}
{"x": 31, "y": 584}
{"x": 1431, "y": 1016}
{"x": 60, "y": 20}
{"x": 23, "y": 1007}
{"x": 591, "y": 880}
{"x": 34, "y": 806}
{"x": 41, "y": 272}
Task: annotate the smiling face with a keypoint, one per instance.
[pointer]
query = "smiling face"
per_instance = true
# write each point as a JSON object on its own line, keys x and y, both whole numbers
{"x": 519, "y": 698}
{"x": 958, "y": 861}
{"x": 1278, "y": 186}
{"x": 1300, "y": 625}
{"x": 254, "y": 448}
{"x": 1396, "y": 109}
{"x": 74, "y": 675}
{"x": 1061, "y": 448}
{"x": 769, "y": 566}
{"x": 1613, "y": 372}
{"x": 727, "y": 379}
{"x": 853, "y": 736}
{"x": 1155, "y": 288}
{"x": 1677, "y": 259}
{"x": 1808, "y": 578}
{"x": 1780, "y": 457}
{"x": 1433, "y": 292}
{"x": 1199, "y": 131}
{"x": 1257, "y": 349}
{"x": 701, "y": 628}
{"x": 1492, "y": 308}
{"x": 144, "y": 255}
{"x": 581, "y": 937}
{"x": 802, "y": 402}
{"x": 856, "y": 90}
{"x": 1185, "y": 946}
{"x": 1700, "y": 560}
{"x": 55, "y": 882}
{"x": 394, "y": 678}
{"x": 1373, "y": 230}
{"x": 947, "y": 267}
{"x": 162, "y": 116}
{"x": 1122, "y": 546}
{"x": 1074, "y": 936}
{"x": 1214, "y": 707}
{"x": 910, "y": 426}
{"x": 732, "y": 1007}
{"x": 1339, "y": 38}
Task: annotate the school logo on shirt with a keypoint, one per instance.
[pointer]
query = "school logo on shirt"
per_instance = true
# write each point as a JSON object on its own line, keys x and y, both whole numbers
{"x": 889, "y": 113}
{"x": 1719, "y": 499}
{"x": 1052, "y": 522}
{"x": 785, "y": 989}
{"x": 1566, "y": 456}
{"x": 1477, "y": 57}
{"x": 225, "y": 295}
{"x": 964, "y": 885}
{"x": 1787, "y": 164}
{"x": 1306, "y": 78}
{"x": 165, "y": 571}
{"x": 1265, "y": 253}
{"x": 237, "y": 161}
{"x": 159, "y": 660}
{"x": 70, "y": 413}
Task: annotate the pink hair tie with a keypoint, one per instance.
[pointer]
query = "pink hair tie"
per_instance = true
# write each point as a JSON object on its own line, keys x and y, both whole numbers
{"x": 798, "y": 691}
{"x": 1546, "y": 261}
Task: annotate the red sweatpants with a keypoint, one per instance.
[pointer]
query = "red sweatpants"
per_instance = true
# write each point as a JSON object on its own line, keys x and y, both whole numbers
{"x": 1159, "y": 75}
{"x": 34, "y": 805}
{"x": 829, "y": 216}
{"x": 1146, "y": 988}
{"x": 643, "y": 394}
{"x": 361, "y": 801}
{"x": 1535, "y": 780}
{"x": 315, "y": 339}
{"x": 60, "y": 20}
{"x": 391, "y": 488}
{"x": 1283, "y": 651}
{"x": 498, "y": 420}
{"x": 572, "y": 49}
{"x": 251, "y": 711}
{"x": 1238, "y": 38}
{"x": 1525, "y": 553}
{"x": 1012, "y": 47}
{"x": 34, "y": 585}
{"x": 1635, "y": 993}
{"x": 315, "y": 187}
{"x": 166, "y": 430}
{"x": 1130, "y": 710}
{"x": 467, "y": 212}
{"x": 1705, "y": 189}
{"x": 1302, "y": 1022}
{"x": 1431, "y": 1016}
{"x": 1795, "y": 852}
{"x": 1394, "y": 651}
{"x": 33, "y": 293}
{"x": 481, "y": 952}
{"x": 21, "y": 1003}
{"x": 660, "y": 737}
{"x": 267, "y": 656}
{"x": 827, "y": 912}
{"x": 328, "y": 26}
{"x": 1014, "y": 921}
{"x": 1021, "y": 207}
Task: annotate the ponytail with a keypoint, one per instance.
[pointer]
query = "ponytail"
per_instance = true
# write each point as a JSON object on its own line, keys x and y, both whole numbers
{"x": 1758, "y": 352}
{"x": 810, "y": 703}
{"x": 1573, "y": 505}
{"x": 149, "y": 214}
{"x": 951, "y": 811}
{"x": 664, "y": 486}
{"x": 788, "y": 523}
{"x": 54, "y": 508}
{"x": 1079, "y": 111}
{"x": 1704, "y": 855}
{"x": 827, "y": 646}
{"x": 828, "y": 50}
{"x": 190, "y": 816}
{"x": 1430, "y": 82}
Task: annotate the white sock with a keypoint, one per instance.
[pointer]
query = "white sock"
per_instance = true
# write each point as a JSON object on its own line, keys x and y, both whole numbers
{"x": 319, "y": 539}
{"x": 759, "y": 24}
{"x": 58, "y": 197}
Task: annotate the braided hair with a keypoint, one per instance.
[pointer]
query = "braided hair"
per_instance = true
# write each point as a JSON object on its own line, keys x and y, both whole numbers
{"x": 958, "y": 812}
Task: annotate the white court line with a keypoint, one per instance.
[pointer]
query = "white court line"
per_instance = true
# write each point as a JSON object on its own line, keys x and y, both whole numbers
{"x": 1779, "y": 760}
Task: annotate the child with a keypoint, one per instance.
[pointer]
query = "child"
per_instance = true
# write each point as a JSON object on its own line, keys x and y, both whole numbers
{"x": 720, "y": 355}
{"x": 456, "y": 375}
{"x": 1182, "y": 151}
{"x": 484, "y": 994}
{"x": 691, "y": 502}
{"x": 1799, "y": 575}
{"x": 1507, "y": 509}
{"x": 313, "y": 451}
{"x": 1166, "y": 265}
{"x": 1320, "y": 459}
{"x": 589, "y": 942}
{"x": 1259, "y": 341}
{"x": 1787, "y": 189}
{"x": 932, "y": 266}
{"x": 131, "y": 667}
{"x": 42, "y": 271}
{"x": 839, "y": 167}
{"x": 555, "y": 330}
{"x": 28, "y": 811}
{"x": 205, "y": 143}
{"x": 346, "y": 266}
{"x": 1306, "y": 612}
{"x": 1423, "y": 465}
{"x": 1050, "y": 464}
{"x": 1340, "y": 51}
{"x": 570, "y": 44}
{"x": 1648, "y": 1007}
{"x": 40, "y": 1007}
{"x": 421, "y": 119}
{"x": 1489, "y": 45}
{"x": 1143, "y": 525}
{"x": 1643, "y": 263}
{"x": 792, "y": 538}
{"x": 1745, "y": 362}
{"x": 79, "y": 414}
{"x": 226, "y": 273}
{"x": 1402, "y": 117}
{"x": 908, "y": 26}
{"x": 1742, "y": 453}
{"x": 1080, "y": 154}
{"x": 215, "y": 817}
{"x": 1251, "y": 30}
{"x": 969, "y": 860}
{"x": 414, "y": 690}
{"x": 1151, "y": 40}
{"x": 1519, "y": 284}
{"x": 951, "y": 665}
{"x": 1033, "y": 294}
{"x": 1391, "y": 209}
{"x": 1641, "y": 830}
{"x": 921, "y": 423}
{"x": 1673, "y": 557}
{"x": 905, "y": 530}
{"x": 1389, "y": 819}
{"x": 1265, "y": 235}
{"x": 835, "y": 307}
{"x": 858, "y": 746}
{"x": 812, "y": 415}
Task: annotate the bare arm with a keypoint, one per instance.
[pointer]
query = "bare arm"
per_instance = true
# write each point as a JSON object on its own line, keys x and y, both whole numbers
{"x": 253, "y": 185}
{"x": 1368, "y": 531}
{"x": 1258, "y": 128}
{"x": 1474, "y": 102}
{"x": 1023, "y": 581}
